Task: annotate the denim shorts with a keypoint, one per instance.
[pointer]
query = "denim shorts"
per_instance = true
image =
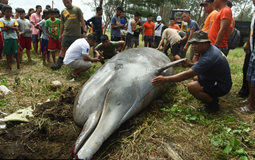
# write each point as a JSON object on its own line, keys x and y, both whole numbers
{"x": 251, "y": 72}
{"x": 148, "y": 39}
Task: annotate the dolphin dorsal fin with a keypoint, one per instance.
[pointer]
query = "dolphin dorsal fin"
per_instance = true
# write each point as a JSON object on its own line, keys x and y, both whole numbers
{"x": 160, "y": 70}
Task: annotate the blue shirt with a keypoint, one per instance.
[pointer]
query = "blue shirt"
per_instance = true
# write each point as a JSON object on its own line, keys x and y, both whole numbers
{"x": 192, "y": 25}
{"x": 213, "y": 69}
{"x": 123, "y": 21}
{"x": 44, "y": 35}
{"x": 9, "y": 34}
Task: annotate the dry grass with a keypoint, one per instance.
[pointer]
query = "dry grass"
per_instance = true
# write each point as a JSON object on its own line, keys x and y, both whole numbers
{"x": 161, "y": 131}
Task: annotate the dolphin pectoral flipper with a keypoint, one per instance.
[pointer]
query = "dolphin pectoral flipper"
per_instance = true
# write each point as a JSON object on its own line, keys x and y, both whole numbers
{"x": 160, "y": 70}
{"x": 88, "y": 128}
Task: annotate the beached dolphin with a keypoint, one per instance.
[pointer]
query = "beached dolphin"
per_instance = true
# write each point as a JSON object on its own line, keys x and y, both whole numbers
{"x": 116, "y": 92}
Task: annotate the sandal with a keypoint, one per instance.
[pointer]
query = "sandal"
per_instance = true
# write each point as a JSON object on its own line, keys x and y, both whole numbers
{"x": 246, "y": 101}
{"x": 8, "y": 69}
{"x": 207, "y": 110}
{"x": 245, "y": 109}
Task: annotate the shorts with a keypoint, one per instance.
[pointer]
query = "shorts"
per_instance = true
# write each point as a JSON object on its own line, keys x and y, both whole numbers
{"x": 135, "y": 41}
{"x": 224, "y": 50}
{"x": 35, "y": 38}
{"x": 1, "y": 41}
{"x": 79, "y": 63}
{"x": 115, "y": 38}
{"x": 129, "y": 40}
{"x": 54, "y": 45}
{"x": 25, "y": 43}
{"x": 250, "y": 76}
{"x": 10, "y": 46}
{"x": 148, "y": 39}
{"x": 68, "y": 40}
{"x": 97, "y": 35}
{"x": 212, "y": 89}
{"x": 175, "y": 49}
{"x": 44, "y": 46}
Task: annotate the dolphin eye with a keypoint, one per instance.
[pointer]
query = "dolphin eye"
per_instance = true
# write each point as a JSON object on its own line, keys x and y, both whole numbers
{"x": 118, "y": 66}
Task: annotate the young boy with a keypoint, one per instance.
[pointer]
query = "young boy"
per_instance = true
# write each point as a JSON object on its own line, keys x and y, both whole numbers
{"x": 9, "y": 28}
{"x": 25, "y": 32}
{"x": 44, "y": 37}
{"x": 53, "y": 29}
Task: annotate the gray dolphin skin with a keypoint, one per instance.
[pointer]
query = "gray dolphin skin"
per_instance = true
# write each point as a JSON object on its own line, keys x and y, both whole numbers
{"x": 116, "y": 92}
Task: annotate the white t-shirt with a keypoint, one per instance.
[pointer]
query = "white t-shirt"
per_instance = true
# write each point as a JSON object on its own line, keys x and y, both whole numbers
{"x": 159, "y": 29}
{"x": 76, "y": 50}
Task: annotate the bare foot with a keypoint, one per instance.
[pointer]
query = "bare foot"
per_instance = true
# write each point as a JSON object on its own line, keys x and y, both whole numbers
{"x": 45, "y": 64}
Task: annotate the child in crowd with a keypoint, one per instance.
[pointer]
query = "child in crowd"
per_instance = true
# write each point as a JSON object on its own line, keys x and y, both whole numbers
{"x": 44, "y": 37}
{"x": 35, "y": 19}
{"x": 25, "y": 32}
{"x": 9, "y": 29}
{"x": 53, "y": 29}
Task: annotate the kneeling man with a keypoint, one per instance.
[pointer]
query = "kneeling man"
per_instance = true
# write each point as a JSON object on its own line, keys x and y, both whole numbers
{"x": 108, "y": 48}
{"x": 77, "y": 56}
{"x": 212, "y": 69}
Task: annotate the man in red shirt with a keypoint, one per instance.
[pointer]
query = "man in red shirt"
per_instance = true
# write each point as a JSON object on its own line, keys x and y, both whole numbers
{"x": 219, "y": 31}
{"x": 173, "y": 25}
{"x": 149, "y": 32}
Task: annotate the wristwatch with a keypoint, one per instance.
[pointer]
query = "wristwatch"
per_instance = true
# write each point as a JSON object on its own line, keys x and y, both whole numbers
{"x": 85, "y": 31}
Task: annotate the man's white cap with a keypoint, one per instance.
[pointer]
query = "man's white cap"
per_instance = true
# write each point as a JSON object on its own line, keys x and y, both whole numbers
{"x": 159, "y": 18}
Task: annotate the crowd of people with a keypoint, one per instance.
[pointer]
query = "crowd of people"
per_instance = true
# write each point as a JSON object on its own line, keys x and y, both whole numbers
{"x": 66, "y": 32}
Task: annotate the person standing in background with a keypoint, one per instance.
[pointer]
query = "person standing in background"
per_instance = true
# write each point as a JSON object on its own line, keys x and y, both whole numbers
{"x": 36, "y": 18}
{"x": 158, "y": 30}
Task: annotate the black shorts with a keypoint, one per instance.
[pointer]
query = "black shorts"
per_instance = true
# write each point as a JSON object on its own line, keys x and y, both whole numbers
{"x": 129, "y": 40}
{"x": 175, "y": 49}
{"x": 115, "y": 38}
{"x": 212, "y": 89}
{"x": 148, "y": 39}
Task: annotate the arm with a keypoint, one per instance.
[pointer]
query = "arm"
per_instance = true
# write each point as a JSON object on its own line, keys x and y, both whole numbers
{"x": 143, "y": 33}
{"x": 247, "y": 47}
{"x": 117, "y": 26}
{"x": 175, "y": 78}
{"x": 160, "y": 44}
{"x": 187, "y": 44}
{"x": 51, "y": 36}
{"x": 122, "y": 45}
{"x": 61, "y": 29}
{"x": 223, "y": 28}
{"x": 83, "y": 24}
{"x": 88, "y": 58}
{"x": 153, "y": 34}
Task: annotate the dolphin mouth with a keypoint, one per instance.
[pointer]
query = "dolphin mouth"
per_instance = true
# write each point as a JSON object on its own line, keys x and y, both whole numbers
{"x": 89, "y": 127}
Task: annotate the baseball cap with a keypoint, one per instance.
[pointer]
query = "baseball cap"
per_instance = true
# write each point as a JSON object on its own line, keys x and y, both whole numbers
{"x": 206, "y": 1}
{"x": 199, "y": 36}
{"x": 159, "y": 18}
{"x": 120, "y": 9}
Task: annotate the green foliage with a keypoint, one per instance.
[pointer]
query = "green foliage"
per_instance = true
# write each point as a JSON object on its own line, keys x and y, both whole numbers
{"x": 3, "y": 81}
{"x": 3, "y": 102}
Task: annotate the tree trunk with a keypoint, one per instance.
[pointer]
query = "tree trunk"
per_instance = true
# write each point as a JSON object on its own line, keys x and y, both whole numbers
{"x": 101, "y": 3}
{"x": 122, "y": 3}
{"x": 198, "y": 21}
{"x": 241, "y": 17}
{"x": 161, "y": 10}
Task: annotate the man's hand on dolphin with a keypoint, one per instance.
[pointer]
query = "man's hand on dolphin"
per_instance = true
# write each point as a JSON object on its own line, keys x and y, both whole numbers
{"x": 159, "y": 80}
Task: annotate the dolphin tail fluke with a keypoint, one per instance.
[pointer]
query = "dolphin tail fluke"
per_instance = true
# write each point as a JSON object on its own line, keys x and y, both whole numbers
{"x": 160, "y": 70}
{"x": 88, "y": 127}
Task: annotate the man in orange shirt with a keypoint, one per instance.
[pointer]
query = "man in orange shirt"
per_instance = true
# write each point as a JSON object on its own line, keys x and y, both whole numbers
{"x": 173, "y": 25}
{"x": 212, "y": 13}
{"x": 149, "y": 32}
{"x": 219, "y": 31}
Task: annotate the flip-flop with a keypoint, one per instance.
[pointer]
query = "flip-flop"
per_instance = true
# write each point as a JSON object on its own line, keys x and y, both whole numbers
{"x": 245, "y": 109}
{"x": 8, "y": 69}
{"x": 246, "y": 101}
